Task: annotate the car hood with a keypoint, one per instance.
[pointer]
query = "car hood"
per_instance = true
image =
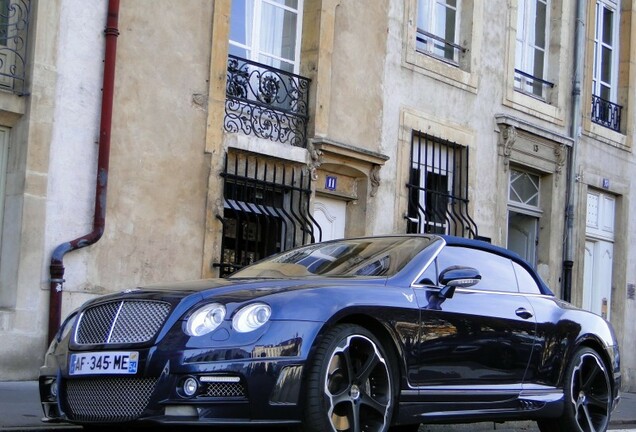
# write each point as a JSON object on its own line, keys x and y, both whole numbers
{"x": 229, "y": 291}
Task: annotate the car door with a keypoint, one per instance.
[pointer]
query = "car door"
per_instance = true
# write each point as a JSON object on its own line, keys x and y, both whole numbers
{"x": 481, "y": 338}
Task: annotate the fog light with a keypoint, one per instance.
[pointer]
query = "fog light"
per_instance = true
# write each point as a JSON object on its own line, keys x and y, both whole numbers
{"x": 190, "y": 386}
{"x": 53, "y": 389}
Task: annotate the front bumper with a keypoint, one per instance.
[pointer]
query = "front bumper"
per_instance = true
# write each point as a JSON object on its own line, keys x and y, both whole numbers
{"x": 257, "y": 383}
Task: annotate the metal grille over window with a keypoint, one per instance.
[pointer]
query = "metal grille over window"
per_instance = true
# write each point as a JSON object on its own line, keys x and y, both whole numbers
{"x": 121, "y": 322}
{"x": 14, "y": 30}
{"x": 266, "y": 209}
{"x": 438, "y": 188}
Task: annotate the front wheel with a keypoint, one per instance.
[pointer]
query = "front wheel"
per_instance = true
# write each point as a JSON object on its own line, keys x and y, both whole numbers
{"x": 588, "y": 396}
{"x": 350, "y": 386}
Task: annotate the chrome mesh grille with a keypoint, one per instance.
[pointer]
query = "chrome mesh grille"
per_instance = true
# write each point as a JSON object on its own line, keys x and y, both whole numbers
{"x": 130, "y": 321}
{"x": 108, "y": 399}
{"x": 224, "y": 389}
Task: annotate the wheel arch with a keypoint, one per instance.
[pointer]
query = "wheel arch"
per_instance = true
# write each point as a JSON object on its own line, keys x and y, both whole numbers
{"x": 592, "y": 342}
{"x": 588, "y": 341}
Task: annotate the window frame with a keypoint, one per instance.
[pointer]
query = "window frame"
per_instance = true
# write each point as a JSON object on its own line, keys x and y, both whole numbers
{"x": 526, "y": 16}
{"x": 597, "y": 62}
{"x": 430, "y": 35}
{"x": 503, "y": 261}
{"x": 254, "y": 48}
{"x": 463, "y": 75}
{"x": 523, "y": 208}
{"x": 448, "y": 160}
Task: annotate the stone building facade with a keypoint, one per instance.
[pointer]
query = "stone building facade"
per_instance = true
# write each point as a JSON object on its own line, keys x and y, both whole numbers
{"x": 245, "y": 127}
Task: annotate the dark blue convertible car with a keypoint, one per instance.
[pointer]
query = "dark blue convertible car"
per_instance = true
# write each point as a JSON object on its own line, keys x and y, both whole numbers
{"x": 365, "y": 334}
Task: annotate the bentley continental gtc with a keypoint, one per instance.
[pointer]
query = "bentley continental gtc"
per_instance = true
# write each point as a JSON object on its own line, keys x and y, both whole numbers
{"x": 368, "y": 334}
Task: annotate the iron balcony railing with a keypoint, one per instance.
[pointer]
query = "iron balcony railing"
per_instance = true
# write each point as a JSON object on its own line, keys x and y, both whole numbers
{"x": 267, "y": 102}
{"x": 438, "y": 46}
{"x": 530, "y": 84}
{"x": 606, "y": 113}
{"x": 14, "y": 30}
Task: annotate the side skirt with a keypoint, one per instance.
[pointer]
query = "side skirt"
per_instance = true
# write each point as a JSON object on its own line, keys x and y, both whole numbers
{"x": 444, "y": 405}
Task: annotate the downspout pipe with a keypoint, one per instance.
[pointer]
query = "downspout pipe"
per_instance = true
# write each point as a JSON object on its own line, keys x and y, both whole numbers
{"x": 575, "y": 126}
{"x": 99, "y": 219}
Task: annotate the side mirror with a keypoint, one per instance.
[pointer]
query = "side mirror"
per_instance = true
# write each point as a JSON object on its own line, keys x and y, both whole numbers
{"x": 457, "y": 276}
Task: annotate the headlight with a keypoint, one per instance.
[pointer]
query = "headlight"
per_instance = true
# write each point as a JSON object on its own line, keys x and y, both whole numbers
{"x": 251, "y": 317}
{"x": 205, "y": 319}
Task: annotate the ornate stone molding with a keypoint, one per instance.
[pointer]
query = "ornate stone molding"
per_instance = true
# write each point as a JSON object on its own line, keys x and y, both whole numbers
{"x": 355, "y": 162}
{"x": 530, "y": 145}
{"x": 507, "y": 140}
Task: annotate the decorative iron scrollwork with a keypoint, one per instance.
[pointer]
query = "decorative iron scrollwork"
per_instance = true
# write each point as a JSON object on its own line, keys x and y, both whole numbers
{"x": 14, "y": 30}
{"x": 267, "y": 102}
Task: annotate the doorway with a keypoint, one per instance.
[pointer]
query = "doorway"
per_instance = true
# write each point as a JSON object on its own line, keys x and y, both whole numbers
{"x": 599, "y": 253}
{"x": 331, "y": 215}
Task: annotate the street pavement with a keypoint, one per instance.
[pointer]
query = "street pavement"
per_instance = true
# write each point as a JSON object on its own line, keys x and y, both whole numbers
{"x": 20, "y": 410}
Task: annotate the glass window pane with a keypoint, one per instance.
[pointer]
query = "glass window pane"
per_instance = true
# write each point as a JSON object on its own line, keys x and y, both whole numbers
{"x": 606, "y": 64}
{"x": 526, "y": 282}
{"x": 521, "y": 19}
{"x": 276, "y": 63}
{"x": 497, "y": 273}
{"x": 540, "y": 25}
{"x": 278, "y": 32}
{"x": 524, "y": 188}
{"x": 445, "y": 22}
{"x": 424, "y": 15}
{"x": 539, "y": 61}
{"x": 241, "y": 21}
{"x": 608, "y": 26}
{"x": 289, "y": 3}
{"x": 605, "y": 92}
{"x": 239, "y": 51}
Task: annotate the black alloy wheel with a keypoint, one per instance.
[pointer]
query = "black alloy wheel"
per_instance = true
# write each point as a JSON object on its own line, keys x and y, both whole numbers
{"x": 588, "y": 396}
{"x": 350, "y": 385}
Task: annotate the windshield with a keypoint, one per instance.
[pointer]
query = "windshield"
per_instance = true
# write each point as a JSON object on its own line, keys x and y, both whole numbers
{"x": 379, "y": 256}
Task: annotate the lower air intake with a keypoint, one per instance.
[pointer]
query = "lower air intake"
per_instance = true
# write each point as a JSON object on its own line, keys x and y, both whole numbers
{"x": 108, "y": 399}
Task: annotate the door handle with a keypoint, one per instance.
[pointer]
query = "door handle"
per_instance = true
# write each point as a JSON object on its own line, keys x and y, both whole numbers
{"x": 523, "y": 313}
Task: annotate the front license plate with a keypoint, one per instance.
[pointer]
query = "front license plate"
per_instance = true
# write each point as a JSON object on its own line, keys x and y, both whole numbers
{"x": 118, "y": 362}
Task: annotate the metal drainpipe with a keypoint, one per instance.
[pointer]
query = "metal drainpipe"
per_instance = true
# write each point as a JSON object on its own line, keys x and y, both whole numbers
{"x": 99, "y": 219}
{"x": 572, "y": 195}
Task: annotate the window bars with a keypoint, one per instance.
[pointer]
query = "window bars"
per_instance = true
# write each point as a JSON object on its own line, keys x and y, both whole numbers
{"x": 267, "y": 102}
{"x": 266, "y": 209}
{"x": 14, "y": 30}
{"x": 438, "y": 188}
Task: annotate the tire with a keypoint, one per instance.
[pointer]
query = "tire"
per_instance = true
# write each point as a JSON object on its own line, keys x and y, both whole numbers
{"x": 588, "y": 396}
{"x": 350, "y": 384}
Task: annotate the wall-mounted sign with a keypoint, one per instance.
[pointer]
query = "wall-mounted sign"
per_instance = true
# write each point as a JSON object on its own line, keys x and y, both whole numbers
{"x": 606, "y": 183}
{"x": 331, "y": 183}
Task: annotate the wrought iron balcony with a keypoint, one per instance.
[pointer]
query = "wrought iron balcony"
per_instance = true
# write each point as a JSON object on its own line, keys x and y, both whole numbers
{"x": 606, "y": 113}
{"x": 267, "y": 102}
{"x": 14, "y": 30}
{"x": 531, "y": 85}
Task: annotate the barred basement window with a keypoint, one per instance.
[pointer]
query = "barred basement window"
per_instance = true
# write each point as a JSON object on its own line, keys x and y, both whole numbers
{"x": 266, "y": 209}
{"x": 438, "y": 188}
